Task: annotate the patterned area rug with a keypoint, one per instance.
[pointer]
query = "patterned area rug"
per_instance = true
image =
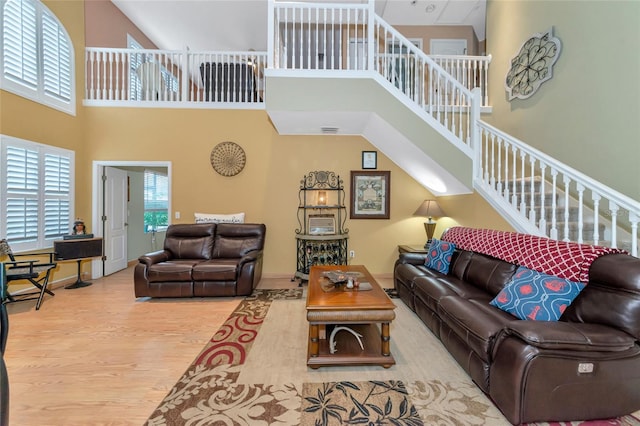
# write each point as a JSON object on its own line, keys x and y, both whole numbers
{"x": 219, "y": 387}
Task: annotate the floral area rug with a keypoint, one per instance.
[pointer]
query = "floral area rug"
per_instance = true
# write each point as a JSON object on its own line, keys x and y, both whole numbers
{"x": 218, "y": 387}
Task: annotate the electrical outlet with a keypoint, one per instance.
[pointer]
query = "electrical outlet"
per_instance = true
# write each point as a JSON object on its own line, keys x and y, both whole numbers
{"x": 352, "y": 254}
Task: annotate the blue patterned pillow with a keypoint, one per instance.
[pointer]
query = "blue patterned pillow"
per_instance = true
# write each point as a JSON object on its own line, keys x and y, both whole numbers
{"x": 532, "y": 295}
{"x": 439, "y": 255}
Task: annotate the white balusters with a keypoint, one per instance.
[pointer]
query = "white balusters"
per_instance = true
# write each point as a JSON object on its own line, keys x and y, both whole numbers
{"x": 633, "y": 219}
{"x": 523, "y": 206}
{"x": 553, "y": 233}
{"x": 595, "y": 197}
{"x": 566, "y": 180}
{"x": 580, "y": 189}
{"x": 532, "y": 184}
{"x": 499, "y": 173}
{"x": 514, "y": 183}
{"x": 542, "y": 223}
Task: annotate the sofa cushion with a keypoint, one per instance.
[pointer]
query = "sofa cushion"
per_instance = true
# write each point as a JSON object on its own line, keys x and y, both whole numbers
{"x": 439, "y": 256}
{"x": 537, "y": 296}
{"x": 407, "y": 272}
{"x": 488, "y": 273}
{"x": 190, "y": 241}
{"x": 216, "y": 270}
{"x": 612, "y": 296}
{"x": 431, "y": 289}
{"x": 477, "y": 323}
{"x": 238, "y": 239}
{"x": 174, "y": 270}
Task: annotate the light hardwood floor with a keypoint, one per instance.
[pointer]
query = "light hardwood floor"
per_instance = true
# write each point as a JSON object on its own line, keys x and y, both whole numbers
{"x": 97, "y": 356}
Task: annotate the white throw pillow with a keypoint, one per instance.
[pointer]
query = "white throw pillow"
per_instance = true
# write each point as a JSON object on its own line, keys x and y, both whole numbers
{"x": 219, "y": 218}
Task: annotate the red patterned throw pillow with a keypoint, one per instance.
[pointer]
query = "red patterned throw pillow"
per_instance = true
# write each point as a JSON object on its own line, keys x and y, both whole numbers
{"x": 439, "y": 255}
{"x": 533, "y": 295}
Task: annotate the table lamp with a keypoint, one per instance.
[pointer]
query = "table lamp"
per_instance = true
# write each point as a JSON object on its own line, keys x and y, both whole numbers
{"x": 429, "y": 208}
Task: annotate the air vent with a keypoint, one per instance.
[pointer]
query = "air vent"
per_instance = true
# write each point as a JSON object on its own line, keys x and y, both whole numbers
{"x": 329, "y": 130}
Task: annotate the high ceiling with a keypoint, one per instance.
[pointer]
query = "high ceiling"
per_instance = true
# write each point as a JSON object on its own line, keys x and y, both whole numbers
{"x": 242, "y": 24}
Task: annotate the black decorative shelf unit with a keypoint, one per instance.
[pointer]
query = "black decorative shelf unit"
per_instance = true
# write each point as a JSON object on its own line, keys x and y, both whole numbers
{"x": 321, "y": 237}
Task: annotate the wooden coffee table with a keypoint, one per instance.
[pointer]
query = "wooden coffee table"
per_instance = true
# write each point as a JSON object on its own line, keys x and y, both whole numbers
{"x": 359, "y": 310}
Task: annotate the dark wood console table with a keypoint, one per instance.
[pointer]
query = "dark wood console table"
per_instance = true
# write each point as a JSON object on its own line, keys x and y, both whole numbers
{"x": 77, "y": 250}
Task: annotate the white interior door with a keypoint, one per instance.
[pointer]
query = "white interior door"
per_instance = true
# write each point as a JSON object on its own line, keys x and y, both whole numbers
{"x": 115, "y": 223}
{"x": 447, "y": 46}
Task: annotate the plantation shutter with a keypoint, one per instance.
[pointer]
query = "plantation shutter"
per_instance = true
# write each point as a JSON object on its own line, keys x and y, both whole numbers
{"x": 37, "y": 58}
{"x": 36, "y": 193}
{"x": 56, "y": 59}
{"x": 22, "y": 194}
{"x": 20, "y": 61}
{"x": 57, "y": 180}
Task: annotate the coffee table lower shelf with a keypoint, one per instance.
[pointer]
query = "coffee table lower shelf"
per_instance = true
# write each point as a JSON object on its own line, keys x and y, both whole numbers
{"x": 348, "y": 351}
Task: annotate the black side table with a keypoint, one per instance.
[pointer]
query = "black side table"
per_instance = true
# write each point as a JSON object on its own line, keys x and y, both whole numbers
{"x": 410, "y": 248}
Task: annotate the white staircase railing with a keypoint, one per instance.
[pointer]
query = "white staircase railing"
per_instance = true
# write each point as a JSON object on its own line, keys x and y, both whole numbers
{"x": 471, "y": 71}
{"x": 351, "y": 38}
{"x": 543, "y": 196}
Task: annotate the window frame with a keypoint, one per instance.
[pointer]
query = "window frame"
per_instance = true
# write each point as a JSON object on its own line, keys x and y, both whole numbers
{"x": 45, "y": 60}
{"x": 156, "y": 174}
{"x": 41, "y": 240}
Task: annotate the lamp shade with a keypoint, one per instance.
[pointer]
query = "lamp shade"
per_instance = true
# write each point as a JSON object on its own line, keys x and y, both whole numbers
{"x": 429, "y": 208}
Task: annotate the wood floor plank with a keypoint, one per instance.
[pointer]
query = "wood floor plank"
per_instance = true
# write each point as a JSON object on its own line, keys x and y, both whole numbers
{"x": 97, "y": 356}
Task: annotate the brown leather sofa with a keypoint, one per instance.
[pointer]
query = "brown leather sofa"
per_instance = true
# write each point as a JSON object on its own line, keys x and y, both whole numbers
{"x": 204, "y": 259}
{"x": 584, "y": 366}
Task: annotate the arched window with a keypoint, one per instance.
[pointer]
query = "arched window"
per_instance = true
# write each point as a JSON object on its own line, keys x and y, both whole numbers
{"x": 37, "y": 60}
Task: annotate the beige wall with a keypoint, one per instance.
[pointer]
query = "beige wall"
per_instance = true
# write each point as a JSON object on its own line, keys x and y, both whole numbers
{"x": 588, "y": 114}
{"x": 267, "y": 189}
{"x": 107, "y": 26}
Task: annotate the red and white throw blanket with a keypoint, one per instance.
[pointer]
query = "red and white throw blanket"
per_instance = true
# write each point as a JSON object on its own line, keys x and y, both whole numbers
{"x": 563, "y": 259}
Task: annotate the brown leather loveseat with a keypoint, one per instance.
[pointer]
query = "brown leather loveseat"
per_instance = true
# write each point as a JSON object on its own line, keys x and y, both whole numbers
{"x": 204, "y": 259}
{"x": 586, "y": 365}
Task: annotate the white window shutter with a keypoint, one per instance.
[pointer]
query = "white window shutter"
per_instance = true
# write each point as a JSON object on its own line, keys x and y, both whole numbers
{"x": 57, "y": 179}
{"x": 22, "y": 194}
{"x": 37, "y": 58}
{"x": 36, "y": 193}
{"x": 56, "y": 59}
{"x": 20, "y": 43}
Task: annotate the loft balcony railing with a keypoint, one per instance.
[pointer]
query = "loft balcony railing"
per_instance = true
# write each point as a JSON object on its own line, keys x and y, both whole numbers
{"x": 306, "y": 37}
{"x": 164, "y": 78}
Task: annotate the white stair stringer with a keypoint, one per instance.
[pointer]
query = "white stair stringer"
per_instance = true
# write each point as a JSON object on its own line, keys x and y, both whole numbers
{"x": 365, "y": 106}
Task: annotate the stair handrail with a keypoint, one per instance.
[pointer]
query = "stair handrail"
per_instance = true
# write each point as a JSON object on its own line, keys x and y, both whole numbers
{"x": 445, "y": 99}
{"x": 494, "y": 175}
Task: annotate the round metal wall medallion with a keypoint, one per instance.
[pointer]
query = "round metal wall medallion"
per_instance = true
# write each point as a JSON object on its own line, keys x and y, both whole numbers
{"x": 228, "y": 158}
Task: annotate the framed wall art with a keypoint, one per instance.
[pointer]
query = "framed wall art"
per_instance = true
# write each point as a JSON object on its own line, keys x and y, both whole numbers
{"x": 370, "y": 194}
{"x": 369, "y": 159}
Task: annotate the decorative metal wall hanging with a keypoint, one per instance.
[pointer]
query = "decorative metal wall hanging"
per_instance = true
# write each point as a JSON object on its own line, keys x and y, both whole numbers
{"x": 533, "y": 65}
{"x": 228, "y": 158}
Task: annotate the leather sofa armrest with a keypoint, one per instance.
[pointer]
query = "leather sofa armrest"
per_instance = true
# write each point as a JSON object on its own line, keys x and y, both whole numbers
{"x": 155, "y": 257}
{"x": 573, "y": 336}
{"x": 412, "y": 258}
{"x": 251, "y": 256}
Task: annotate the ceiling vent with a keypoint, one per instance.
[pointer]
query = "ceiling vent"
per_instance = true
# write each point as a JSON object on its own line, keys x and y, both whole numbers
{"x": 329, "y": 130}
